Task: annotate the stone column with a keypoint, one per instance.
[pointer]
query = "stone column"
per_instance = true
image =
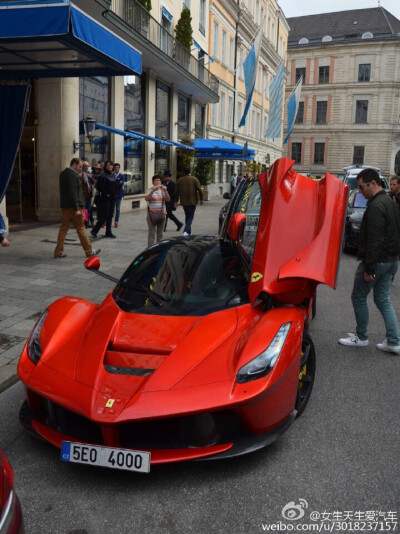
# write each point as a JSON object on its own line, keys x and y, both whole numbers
{"x": 58, "y": 128}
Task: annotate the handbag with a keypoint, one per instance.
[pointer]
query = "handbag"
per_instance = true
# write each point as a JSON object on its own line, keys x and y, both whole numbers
{"x": 156, "y": 217}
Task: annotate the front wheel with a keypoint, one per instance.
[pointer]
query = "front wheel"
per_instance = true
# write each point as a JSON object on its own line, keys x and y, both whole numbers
{"x": 306, "y": 374}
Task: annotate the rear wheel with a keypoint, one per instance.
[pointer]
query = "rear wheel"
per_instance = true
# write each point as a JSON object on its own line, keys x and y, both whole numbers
{"x": 306, "y": 374}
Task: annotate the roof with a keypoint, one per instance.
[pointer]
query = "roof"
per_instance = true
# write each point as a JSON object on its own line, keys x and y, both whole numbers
{"x": 343, "y": 25}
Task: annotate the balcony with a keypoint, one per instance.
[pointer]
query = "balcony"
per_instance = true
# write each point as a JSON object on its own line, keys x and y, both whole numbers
{"x": 152, "y": 38}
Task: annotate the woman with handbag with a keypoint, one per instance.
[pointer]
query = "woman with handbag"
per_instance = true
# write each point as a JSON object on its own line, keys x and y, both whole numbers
{"x": 156, "y": 196}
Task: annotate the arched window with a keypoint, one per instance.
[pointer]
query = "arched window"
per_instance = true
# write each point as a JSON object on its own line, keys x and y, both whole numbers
{"x": 326, "y": 39}
{"x": 397, "y": 163}
{"x": 367, "y": 35}
{"x": 304, "y": 40}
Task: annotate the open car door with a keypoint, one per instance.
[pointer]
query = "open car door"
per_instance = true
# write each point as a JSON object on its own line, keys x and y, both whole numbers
{"x": 289, "y": 230}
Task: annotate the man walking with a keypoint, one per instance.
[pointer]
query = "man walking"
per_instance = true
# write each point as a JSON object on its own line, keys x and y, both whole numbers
{"x": 171, "y": 186}
{"x": 188, "y": 190}
{"x": 71, "y": 202}
{"x": 378, "y": 250}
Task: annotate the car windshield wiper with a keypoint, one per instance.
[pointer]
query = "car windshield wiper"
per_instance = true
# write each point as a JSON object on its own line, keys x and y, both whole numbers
{"x": 154, "y": 297}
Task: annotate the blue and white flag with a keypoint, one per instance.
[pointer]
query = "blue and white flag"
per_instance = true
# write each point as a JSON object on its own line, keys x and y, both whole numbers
{"x": 292, "y": 106}
{"x": 274, "y": 128}
{"x": 250, "y": 73}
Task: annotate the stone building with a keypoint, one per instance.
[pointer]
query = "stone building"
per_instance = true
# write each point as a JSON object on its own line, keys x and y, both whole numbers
{"x": 350, "y": 107}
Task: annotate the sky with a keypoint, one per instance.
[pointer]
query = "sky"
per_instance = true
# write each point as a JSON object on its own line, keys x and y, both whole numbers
{"x": 296, "y": 8}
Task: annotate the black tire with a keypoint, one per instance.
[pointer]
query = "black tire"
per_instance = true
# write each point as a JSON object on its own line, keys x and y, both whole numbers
{"x": 306, "y": 374}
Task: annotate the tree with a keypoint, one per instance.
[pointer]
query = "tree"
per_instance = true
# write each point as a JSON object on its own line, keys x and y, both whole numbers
{"x": 183, "y": 29}
{"x": 146, "y": 4}
{"x": 203, "y": 170}
{"x": 184, "y": 156}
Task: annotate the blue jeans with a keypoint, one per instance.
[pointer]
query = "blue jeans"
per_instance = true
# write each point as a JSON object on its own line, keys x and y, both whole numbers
{"x": 189, "y": 216}
{"x": 117, "y": 208}
{"x": 381, "y": 285}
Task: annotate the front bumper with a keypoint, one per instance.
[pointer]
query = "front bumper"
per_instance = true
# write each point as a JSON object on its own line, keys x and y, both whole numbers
{"x": 204, "y": 436}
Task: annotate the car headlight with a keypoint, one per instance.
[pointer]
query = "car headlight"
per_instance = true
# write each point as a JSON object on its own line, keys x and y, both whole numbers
{"x": 34, "y": 348}
{"x": 264, "y": 362}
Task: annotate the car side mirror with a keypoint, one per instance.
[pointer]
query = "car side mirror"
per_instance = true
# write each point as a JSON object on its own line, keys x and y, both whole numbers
{"x": 92, "y": 263}
{"x": 236, "y": 226}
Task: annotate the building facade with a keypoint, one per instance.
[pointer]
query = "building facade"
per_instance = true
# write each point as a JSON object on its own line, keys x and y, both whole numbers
{"x": 168, "y": 100}
{"x": 233, "y": 25}
{"x": 349, "y": 109}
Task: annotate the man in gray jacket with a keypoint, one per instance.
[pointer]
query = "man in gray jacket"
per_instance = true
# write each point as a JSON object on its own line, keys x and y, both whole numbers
{"x": 188, "y": 191}
{"x": 72, "y": 202}
{"x": 378, "y": 250}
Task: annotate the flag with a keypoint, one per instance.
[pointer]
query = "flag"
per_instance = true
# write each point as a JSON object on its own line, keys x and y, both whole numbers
{"x": 274, "y": 128}
{"x": 292, "y": 107}
{"x": 250, "y": 73}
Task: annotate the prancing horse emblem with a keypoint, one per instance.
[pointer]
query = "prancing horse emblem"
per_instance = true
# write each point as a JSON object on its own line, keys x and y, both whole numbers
{"x": 109, "y": 403}
{"x": 255, "y": 277}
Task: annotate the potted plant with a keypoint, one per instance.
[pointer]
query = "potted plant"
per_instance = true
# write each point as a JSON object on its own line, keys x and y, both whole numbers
{"x": 203, "y": 170}
{"x": 183, "y": 35}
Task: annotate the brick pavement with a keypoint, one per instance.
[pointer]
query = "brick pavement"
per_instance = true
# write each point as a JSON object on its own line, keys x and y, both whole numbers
{"x": 31, "y": 278}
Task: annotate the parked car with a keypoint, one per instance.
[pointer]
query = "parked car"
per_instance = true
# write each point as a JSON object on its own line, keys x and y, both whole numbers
{"x": 133, "y": 183}
{"x": 353, "y": 171}
{"x": 202, "y": 349}
{"x": 356, "y": 207}
{"x": 10, "y": 510}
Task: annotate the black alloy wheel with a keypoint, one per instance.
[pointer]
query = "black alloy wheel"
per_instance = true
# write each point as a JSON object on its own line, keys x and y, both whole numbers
{"x": 306, "y": 374}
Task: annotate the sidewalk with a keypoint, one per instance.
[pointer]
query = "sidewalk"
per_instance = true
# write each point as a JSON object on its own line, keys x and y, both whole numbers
{"x": 31, "y": 278}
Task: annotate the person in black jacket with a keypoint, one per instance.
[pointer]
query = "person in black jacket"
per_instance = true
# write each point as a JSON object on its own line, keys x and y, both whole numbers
{"x": 171, "y": 185}
{"x": 106, "y": 186}
{"x": 378, "y": 250}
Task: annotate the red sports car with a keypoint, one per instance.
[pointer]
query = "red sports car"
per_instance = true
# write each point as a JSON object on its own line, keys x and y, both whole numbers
{"x": 202, "y": 349}
{"x": 10, "y": 510}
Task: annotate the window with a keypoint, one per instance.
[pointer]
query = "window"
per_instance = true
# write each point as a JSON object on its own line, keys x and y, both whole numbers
{"x": 361, "y": 111}
{"x": 223, "y": 51}
{"x": 259, "y": 79}
{"x": 300, "y": 72}
{"x": 296, "y": 152}
{"x": 241, "y": 70}
{"x": 202, "y": 17}
{"x": 222, "y": 112}
{"x": 183, "y": 116}
{"x": 253, "y": 123}
{"x": 240, "y": 112}
{"x": 134, "y": 119}
{"x": 364, "y": 72}
{"x": 257, "y": 11}
{"x": 231, "y": 53}
{"x": 319, "y": 153}
{"x": 230, "y": 113}
{"x": 199, "y": 121}
{"x": 186, "y": 3}
{"x": 258, "y": 127}
{"x": 322, "y": 108}
{"x": 323, "y": 75}
{"x": 358, "y": 155}
{"x": 214, "y": 114}
{"x": 300, "y": 114}
{"x": 216, "y": 40}
{"x": 163, "y": 125}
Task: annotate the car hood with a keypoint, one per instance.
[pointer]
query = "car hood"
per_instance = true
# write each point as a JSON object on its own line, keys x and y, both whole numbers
{"x": 121, "y": 355}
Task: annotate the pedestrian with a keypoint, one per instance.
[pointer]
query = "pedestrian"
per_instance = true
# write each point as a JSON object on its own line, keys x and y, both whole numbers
{"x": 87, "y": 188}
{"x": 71, "y": 203}
{"x": 171, "y": 186}
{"x": 234, "y": 179}
{"x": 378, "y": 250}
{"x": 189, "y": 192}
{"x": 395, "y": 189}
{"x": 106, "y": 187}
{"x": 120, "y": 180}
{"x": 4, "y": 242}
{"x": 157, "y": 197}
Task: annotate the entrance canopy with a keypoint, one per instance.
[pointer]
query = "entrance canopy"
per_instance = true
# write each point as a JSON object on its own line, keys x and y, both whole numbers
{"x": 221, "y": 149}
{"x": 53, "y": 38}
{"x": 138, "y": 135}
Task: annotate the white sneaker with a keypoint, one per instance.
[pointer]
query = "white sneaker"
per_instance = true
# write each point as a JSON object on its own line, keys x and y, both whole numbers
{"x": 185, "y": 234}
{"x": 353, "y": 341}
{"x": 388, "y": 348}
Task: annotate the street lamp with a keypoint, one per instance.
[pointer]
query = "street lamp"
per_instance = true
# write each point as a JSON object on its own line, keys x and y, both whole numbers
{"x": 89, "y": 125}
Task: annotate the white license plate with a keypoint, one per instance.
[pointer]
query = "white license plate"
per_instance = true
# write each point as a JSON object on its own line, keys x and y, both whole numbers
{"x": 115, "y": 458}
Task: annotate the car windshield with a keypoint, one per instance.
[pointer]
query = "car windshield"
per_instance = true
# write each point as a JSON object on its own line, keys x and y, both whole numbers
{"x": 192, "y": 276}
{"x": 351, "y": 181}
{"x": 359, "y": 201}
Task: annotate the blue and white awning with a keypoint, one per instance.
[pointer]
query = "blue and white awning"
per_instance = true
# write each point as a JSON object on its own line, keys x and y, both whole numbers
{"x": 56, "y": 39}
{"x": 221, "y": 149}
